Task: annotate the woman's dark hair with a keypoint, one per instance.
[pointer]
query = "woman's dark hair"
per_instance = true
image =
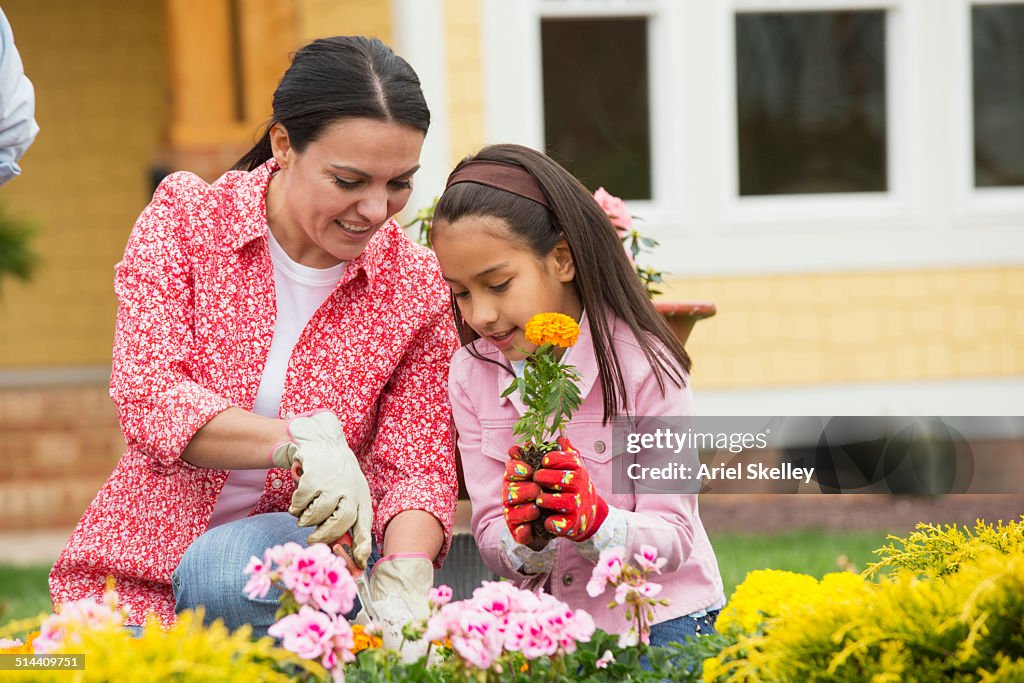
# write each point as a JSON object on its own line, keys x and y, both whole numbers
{"x": 605, "y": 280}
{"x": 338, "y": 78}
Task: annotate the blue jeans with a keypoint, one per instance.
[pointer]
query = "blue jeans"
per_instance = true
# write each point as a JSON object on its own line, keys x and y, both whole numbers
{"x": 678, "y": 629}
{"x": 211, "y": 571}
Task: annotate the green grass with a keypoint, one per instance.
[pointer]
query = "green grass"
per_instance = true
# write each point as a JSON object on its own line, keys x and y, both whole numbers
{"x": 24, "y": 593}
{"x": 808, "y": 552}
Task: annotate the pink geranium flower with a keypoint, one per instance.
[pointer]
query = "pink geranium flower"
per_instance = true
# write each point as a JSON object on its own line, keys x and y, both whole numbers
{"x": 56, "y": 630}
{"x": 314, "y": 576}
{"x": 501, "y": 618}
{"x": 440, "y": 596}
{"x": 607, "y": 570}
{"x": 312, "y": 634}
{"x": 309, "y": 633}
{"x": 260, "y": 578}
{"x": 648, "y": 559}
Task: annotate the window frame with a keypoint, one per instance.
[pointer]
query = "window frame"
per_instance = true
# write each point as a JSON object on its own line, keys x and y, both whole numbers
{"x": 514, "y": 107}
{"x": 931, "y": 216}
{"x": 820, "y": 209}
{"x": 976, "y": 206}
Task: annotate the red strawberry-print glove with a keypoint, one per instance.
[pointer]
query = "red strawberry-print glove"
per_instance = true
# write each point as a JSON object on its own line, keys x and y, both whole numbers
{"x": 567, "y": 489}
{"x": 518, "y": 497}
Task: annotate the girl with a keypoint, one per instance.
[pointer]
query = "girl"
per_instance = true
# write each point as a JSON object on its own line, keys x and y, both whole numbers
{"x": 517, "y": 235}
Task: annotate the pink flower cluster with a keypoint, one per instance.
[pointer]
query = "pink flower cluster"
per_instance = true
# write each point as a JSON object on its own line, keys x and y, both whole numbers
{"x": 57, "y": 630}
{"x": 312, "y": 634}
{"x": 632, "y": 589}
{"x": 324, "y": 591}
{"x": 314, "y": 576}
{"x": 501, "y": 618}
{"x": 616, "y": 211}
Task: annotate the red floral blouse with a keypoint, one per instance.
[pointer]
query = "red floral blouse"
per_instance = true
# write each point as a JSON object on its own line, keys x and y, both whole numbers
{"x": 194, "y": 326}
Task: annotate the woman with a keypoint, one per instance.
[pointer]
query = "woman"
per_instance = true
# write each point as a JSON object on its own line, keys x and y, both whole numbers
{"x": 282, "y": 288}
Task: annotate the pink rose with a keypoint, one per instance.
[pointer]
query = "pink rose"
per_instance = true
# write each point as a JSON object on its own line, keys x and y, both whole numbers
{"x": 616, "y": 211}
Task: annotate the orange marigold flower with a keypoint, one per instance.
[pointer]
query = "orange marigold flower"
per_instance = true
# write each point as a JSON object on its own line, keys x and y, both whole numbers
{"x": 363, "y": 640}
{"x": 558, "y": 329}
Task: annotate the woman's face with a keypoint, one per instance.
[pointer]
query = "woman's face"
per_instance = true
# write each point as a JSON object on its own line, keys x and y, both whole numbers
{"x": 329, "y": 200}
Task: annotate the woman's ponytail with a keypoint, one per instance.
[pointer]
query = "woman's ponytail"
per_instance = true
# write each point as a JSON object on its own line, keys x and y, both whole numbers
{"x": 258, "y": 155}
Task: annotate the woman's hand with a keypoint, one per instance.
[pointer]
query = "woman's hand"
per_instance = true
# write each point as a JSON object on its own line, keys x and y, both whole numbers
{"x": 332, "y": 492}
{"x": 568, "y": 490}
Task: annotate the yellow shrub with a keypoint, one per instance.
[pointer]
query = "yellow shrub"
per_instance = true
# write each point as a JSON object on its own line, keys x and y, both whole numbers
{"x": 924, "y": 622}
{"x": 189, "y": 651}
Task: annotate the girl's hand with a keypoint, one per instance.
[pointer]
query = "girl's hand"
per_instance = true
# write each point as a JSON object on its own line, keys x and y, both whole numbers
{"x": 518, "y": 497}
{"x": 567, "y": 489}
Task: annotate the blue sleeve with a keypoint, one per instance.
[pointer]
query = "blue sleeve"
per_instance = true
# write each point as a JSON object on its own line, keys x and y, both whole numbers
{"x": 18, "y": 126}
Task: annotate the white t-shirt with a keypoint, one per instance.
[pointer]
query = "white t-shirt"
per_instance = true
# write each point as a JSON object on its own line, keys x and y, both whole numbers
{"x": 300, "y": 292}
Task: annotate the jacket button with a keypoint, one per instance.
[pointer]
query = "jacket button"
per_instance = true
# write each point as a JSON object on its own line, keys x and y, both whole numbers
{"x": 599, "y": 446}
{"x": 567, "y": 580}
{"x": 276, "y": 483}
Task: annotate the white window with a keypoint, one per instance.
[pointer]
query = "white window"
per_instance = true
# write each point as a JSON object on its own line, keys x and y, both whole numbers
{"x": 817, "y": 107}
{"x": 997, "y": 61}
{"x": 778, "y": 135}
{"x": 811, "y": 113}
{"x": 597, "y": 118}
{"x": 989, "y": 92}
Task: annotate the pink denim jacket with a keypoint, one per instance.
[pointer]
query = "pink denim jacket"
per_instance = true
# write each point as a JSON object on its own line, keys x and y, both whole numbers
{"x": 670, "y": 522}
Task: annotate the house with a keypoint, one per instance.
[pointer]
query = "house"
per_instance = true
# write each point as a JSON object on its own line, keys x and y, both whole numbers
{"x": 843, "y": 178}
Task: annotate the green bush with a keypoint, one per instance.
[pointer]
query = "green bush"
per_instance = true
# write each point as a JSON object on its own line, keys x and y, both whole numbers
{"x": 16, "y": 256}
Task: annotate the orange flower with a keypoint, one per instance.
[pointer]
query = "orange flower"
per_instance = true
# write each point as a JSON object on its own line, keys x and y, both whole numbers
{"x": 363, "y": 640}
{"x": 558, "y": 329}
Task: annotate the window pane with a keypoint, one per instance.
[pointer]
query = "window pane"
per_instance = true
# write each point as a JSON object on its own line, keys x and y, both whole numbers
{"x": 810, "y": 90}
{"x": 998, "y": 32}
{"x": 596, "y": 120}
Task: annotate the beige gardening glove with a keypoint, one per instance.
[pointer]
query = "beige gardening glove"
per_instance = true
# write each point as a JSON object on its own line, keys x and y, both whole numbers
{"x": 399, "y": 588}
{"x": 332, "y": 492}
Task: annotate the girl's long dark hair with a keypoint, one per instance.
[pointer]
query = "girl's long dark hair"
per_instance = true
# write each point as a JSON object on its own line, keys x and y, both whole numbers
{"x": 337, "y": 78}
{"x": 605, "y": 280}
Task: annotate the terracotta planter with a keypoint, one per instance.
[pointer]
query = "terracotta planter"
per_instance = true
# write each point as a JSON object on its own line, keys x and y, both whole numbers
{"x": 683, "y": 315}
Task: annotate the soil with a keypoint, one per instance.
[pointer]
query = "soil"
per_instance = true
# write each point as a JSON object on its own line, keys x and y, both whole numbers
{"x": 895, "y": 514}
{"x": 532, "y": 456}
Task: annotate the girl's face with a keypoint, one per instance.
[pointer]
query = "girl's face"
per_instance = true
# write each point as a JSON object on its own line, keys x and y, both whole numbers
{"x": 499, "y": 284}
{"x": 327, "y": 202}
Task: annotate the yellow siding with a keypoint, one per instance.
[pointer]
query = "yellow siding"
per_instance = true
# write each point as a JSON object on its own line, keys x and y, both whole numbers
{"x": 465, "y": 80}
{"x": 857, "y": 327}
{"x": 99, "y": 73}
{"x": 321, "y": 18}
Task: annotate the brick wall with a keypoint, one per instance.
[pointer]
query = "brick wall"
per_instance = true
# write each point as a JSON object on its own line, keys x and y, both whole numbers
{"x": 59, "y": 444}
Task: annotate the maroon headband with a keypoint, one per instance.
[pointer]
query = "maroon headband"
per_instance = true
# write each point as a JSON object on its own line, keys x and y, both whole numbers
{"x": 500, "y": 176}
